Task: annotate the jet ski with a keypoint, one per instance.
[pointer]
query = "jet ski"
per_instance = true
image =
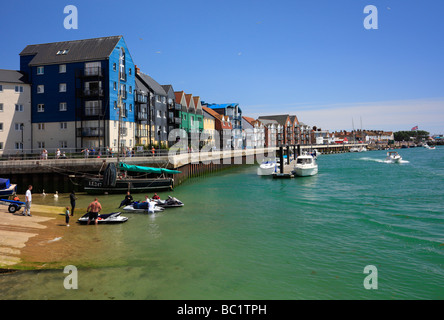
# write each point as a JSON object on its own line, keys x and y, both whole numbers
{"x": 171, "y": 202}
{"x": 113, "y": 217}
{"x": 142, "y": 207}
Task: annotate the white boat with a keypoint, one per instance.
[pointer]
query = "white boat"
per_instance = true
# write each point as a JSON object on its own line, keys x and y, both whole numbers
{"x": 393, "y": 157}
{"x": 305, "y": 166}
{"x": 267, "y": 168}
{"x": 354, "y": 149}
{"x": 363, "y": 149}
{"x": 428, "y": 147}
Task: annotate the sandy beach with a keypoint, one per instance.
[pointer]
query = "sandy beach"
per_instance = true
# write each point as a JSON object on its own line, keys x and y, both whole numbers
{"x": 31, "y": 242}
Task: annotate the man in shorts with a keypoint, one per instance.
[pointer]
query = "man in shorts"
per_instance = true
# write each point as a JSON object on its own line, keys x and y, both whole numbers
{"x": 94, "y": 208}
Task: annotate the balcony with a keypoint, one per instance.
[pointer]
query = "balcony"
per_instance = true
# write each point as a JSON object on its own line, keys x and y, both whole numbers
{"x": 93, "y": 111}
{"x": 142, "y": 116}
{"x": 90, "y": 72}
{"x": 95, "y": 93}
{"x": 90, "y": 132}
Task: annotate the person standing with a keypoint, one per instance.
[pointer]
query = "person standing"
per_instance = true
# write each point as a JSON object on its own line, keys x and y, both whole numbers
{"x": 28, "y": 199}
{"x": 72, "y": 199}
{"x": 67, "y": 216}
{"x": 94, "y": 208}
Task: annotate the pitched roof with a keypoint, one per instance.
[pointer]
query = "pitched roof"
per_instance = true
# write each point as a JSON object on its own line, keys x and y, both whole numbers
{"x": 12, "y": 76}
{"x": 281, "y": 118}
{"x": 78, "y": 50}
{"x": 151, "y": 83}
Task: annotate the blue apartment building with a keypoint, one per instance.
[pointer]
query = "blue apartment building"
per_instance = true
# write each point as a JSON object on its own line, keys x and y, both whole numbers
{"x": 74, "y": 93}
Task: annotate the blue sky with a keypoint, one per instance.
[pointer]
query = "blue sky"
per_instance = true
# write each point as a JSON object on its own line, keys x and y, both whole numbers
{"x": 312, "y": 58}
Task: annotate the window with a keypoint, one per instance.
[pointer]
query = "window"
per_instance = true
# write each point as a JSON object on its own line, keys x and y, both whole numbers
{"x": 115, "y": 104}
{"x": 18, "y": 88}
{"x": 63, "y": 125}
{"x": 41, "y": 144}
{"x": 18, "y": 146}
{"x": 62, "y": 68}
{"x": 130, "y": 71}
{"x": 114, "y": 66}
{"x": 63, "y": 106}
{"x": 1, "y": 107}
{"x": 62, "y": 52}
{"x": 63, "y": 144}
{"x": 1, "y": 88}
{"x": 158, "y": 114}
{"x": 1, "y": 126}
{"x": 131, "y": 107}
{"x": 18, "y": 126}
{"x": 41, "y": 126}
{"x": 40, "y": 70}
{"x": 115, "y": 86}
{"x": 1, "y": 145}
{"x": 40, "y": 108}
{"x": 19, "y": 107}
{"x": 62, "y": 87}
{"x": 130, "y": 89}
{"x": 40, "y": 89}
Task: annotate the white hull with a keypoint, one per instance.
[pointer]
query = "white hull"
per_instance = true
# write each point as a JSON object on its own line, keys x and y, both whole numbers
{"x": 130, "y": 208}
{"x": 266, "y": 169}
{"x": 305, "y": 172}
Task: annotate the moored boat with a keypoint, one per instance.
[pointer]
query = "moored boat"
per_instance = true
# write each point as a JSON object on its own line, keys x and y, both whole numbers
{"x": 150, "y": 207}
{"x": 305, "y": 166}
{"x": 118, "y": 181}
{"x": 267, "y": 168}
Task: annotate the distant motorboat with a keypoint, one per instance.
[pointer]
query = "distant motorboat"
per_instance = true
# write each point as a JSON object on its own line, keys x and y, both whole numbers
{"x": 363, "y": 149}
{"x": 267, "y": 168}
{"x": 305, "y": 166}
{"x": 354, "y": 149}
{"x": 428, "y": 147}
{"x": 393, "y": 157}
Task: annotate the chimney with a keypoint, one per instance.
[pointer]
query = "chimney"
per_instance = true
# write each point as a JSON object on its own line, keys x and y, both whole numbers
{"x": 137, "y": 69}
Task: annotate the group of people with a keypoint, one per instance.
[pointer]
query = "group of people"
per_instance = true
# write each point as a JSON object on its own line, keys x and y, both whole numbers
{"x": 93, "y": 208}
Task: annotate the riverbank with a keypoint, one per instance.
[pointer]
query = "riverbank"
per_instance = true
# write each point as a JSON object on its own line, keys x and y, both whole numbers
{"x": 32, "y": 242}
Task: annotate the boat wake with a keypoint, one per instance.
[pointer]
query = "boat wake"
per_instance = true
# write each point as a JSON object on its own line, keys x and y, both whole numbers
{"x": 381, "y": 161}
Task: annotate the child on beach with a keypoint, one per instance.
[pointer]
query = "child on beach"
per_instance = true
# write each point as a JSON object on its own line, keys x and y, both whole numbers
{"x": 67, "y": 216}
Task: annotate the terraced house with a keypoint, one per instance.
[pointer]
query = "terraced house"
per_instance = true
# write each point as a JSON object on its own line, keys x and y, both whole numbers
{"x": 74, "y": 94}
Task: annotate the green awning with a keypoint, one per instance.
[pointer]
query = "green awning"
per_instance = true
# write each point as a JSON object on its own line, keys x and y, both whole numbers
{"x": 127, "y": 167}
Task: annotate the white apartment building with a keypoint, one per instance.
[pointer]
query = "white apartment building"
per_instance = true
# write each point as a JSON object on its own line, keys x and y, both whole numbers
{"x": 15, "y": 113}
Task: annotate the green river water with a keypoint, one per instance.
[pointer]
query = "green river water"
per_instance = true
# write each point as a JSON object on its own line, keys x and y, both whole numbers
{"x": 242, "y": 236}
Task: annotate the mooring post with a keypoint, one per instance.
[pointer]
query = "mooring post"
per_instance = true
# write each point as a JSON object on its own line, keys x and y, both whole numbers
{"x": 299, "y": 149}
{"x": 294, "y": 152}
{"x": 288, "y": 154}
{"x": 281, "y": 156}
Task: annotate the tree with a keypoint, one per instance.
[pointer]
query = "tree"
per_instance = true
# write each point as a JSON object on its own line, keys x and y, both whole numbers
{"x": 406, "y": 135}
